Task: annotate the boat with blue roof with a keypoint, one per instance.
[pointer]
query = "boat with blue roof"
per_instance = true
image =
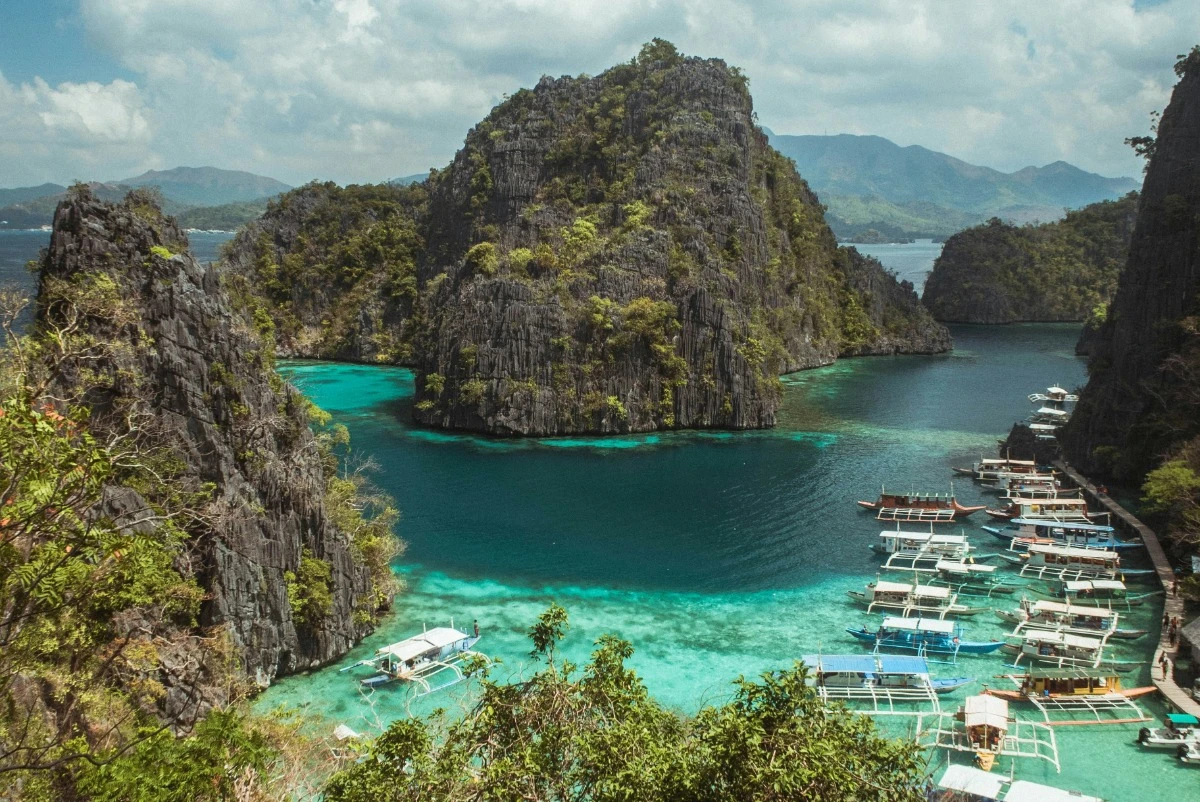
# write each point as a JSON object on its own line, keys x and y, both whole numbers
{"x": 923, "y": 635}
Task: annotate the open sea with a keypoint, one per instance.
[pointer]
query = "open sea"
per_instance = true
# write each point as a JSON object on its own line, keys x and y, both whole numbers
{"x": 716, "y": 554}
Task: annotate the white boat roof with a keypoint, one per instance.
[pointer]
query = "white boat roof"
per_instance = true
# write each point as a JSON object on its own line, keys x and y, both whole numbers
{"x": 892, "y": 587}
{"x": 889, "y": 533}
{"x": 1060, "y": 607}
{"x": 1064, "y": 638}
{"x": 1056, "y": 390}
{"x": 951, "y": 540}
{"x": 1079, "y": 526}
{"x": 970, "y": 780}
{"x": 986, "y": 709}
{"x": 1026, "y": 791}
{"x": 1044, "y": 427}
{"x": 1108, "y": 584}
{"x": 919, "y": 624}
{"x": 1073, "y": 551}
{"x": 437, "y": 638}
{"x": 994, "y": 461}
{"x": 1049, "y": 502}
{"x": 964, "y": 568}
{"x": 931, "y": 592}
{"x": 1051, "y": 411}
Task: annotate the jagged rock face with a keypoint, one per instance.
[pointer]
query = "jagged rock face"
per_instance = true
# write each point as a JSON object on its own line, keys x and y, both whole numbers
{"x": 627, "y": 253}
{"x": 1135, "y": 372}
{"x": 216, "y": 403}
{"x": 1055, "y": 272}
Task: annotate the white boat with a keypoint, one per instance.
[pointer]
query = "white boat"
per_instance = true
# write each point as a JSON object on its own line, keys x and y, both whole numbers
{"x": 982, "y": 726}
{"x": 1054, "y": 395}
{"x": 1054, "y": 510}
{"x": 878, "y": 684}
{"x": 967, "y": 784}
{"x": 419, "y": 659}
{"x": 1179, "y": 729}
{"x": 920, "y": 551}
{"x": 1099, "y": 622}
{"x": 1062, "y": 649}
{"x": 915, "y": 599}
{"x": 992, "y": 469}
{"x": 1048, "y": 561}
{"x": 1189, "y": 752}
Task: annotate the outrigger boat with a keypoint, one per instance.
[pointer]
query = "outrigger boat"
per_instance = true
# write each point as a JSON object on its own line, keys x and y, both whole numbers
{"x": 918, "y": 507}
{"x": 1048, "y": 561}
{"x": 921, "y": 635}
{"x": 1023, "y": 532}
{"x": 1178, "y": 729}
{"x": 912, "y": 599}
{"x": 1056, "y": 396}
{"x": 921, "y": 551}
{"x": 1062, "y": 649}
{"x": 1076, "y": 690}
{"x": 992, "y": 469}
{"x": 1045, "y": 431}
{"x": 982, "y": 726}
{"x": 1095, "y": 593}
{"x": 1054, "y": 510}
{"x": 879, "y": 684}
{"x": 968, "y": 784}
{"x": 970, "y": 579}
{"x": 1044, "y": 490}
{"x": 1064, "y": 617}
{"x": 420, "y": 658}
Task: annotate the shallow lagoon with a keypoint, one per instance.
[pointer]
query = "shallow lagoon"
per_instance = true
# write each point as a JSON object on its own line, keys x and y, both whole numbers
{"x": 716, "y": 554}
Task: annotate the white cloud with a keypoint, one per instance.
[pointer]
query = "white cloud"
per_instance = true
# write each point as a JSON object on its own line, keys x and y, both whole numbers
{"x": 359, "y": 90}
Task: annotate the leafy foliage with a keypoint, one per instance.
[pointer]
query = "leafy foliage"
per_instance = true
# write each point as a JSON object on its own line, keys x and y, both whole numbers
{"x": 564, "y": 735}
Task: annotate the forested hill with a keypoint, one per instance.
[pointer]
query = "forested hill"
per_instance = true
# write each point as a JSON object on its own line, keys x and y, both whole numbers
{"x": 617, "y": 253}
{"x": 1142, "y": 401}
{"x": 1063, "y": 271}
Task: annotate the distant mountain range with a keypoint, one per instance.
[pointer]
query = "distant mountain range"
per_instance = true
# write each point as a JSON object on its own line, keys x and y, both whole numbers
{"x": 871, "y": 182}
{"x": 207, "y": 194}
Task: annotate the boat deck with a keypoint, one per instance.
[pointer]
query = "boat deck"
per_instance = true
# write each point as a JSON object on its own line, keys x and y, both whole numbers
{"x": 1023, "y": 739}
{"x": 916, "y": 515}
{"x": 1163, "y": 680}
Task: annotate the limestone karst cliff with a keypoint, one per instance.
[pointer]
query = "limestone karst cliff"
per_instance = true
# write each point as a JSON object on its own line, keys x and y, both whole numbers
{"x": 1142, "y": 399}
{"x": 1061, "y": 271}
{"x": 200, "y": 378}
{"x": 608, "y": 254}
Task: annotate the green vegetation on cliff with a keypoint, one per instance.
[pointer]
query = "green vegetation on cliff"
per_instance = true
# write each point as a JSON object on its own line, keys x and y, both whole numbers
{"x": 1139, "y": 416}
{"x": 1063, "y": 271}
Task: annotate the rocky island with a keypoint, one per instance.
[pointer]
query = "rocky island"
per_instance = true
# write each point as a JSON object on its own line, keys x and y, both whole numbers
{"x": 1052, "y": 272}
{"x": 609, "y": 254}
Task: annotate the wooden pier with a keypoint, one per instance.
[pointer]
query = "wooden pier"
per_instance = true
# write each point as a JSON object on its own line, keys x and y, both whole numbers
{"x": 1164, "y": 680}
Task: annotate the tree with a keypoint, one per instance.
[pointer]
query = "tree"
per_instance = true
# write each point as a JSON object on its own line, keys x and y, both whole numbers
{"x": 598, "y": 735}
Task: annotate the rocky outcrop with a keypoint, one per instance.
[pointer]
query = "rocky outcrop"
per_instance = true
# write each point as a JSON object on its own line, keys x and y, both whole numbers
{"x": 200, "y": 380}
{"x": 1144, "y": 384}
{"x": 1054, "y": 272}
{"x": 627, "y": 253}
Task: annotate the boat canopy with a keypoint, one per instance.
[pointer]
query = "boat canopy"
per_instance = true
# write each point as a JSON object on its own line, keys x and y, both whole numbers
{"x": 1183, "y": 720}
{"x": 919, "y": 625}
{"x": 986, "y": 710}
{"x": 1058, "y": 413}
{"x": 1073, "y": 551}
{"x": 973, "y": 781}
{"x": 964, "y": 568}
{"x": 1069, "y": 609}
{"x": 1063, "y": 638}
{"x": 841, "y": 663}
{"x": 1067, "y": 672}
{"x": 1025, "y": 501}
{"x": 432, "y": 640}
{"x": 994, "y": 461}
{"x": 1083, "y": 585}
{"x": 1072, "y": 525}
{"x": 914, "y": 536}
{"x": 892, "y": 587}
{"x": 948, "y": 540}
{"x": 931, "y": 592}
{"x": 1044, "y": 427}
{"x": 1025, "y": 791}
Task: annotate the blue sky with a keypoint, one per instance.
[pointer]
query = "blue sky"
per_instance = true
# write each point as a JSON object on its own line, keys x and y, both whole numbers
{"x": 363, "y": 90}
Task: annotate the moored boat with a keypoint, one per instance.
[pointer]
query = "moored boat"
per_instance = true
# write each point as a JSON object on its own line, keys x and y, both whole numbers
{"x": 1095, "y": 593}
{"x": 912, "y": 599}
{"x": 923, "y": 635}
{"x": 1063, "y": 649}
{"x": 968, "y": 784}
{"x": 991, "y": 469}
{"x": 1063, "y": 684}
{"x": 1064, "y": 617}
{"x": 970, "y": 578}
{"x": 1177, "y": 729}
{"x": 1053, "y": 510}
{"x": 1021, "y": 532}
{"x": 418, "y": 659}
{"x": 1050, "y": 561}
{"x": 919, "y": 507}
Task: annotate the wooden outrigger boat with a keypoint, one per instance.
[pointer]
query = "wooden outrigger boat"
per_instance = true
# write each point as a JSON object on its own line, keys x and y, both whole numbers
{"x": 1054, "y": 395}
{"x": 923, "y": 635}
{"x": 1049, "y": 561}
{"x": 1022, "y": 532}
{"x": 1055, "y": 510}
{"x": 1062, "y": 650}
{"x": 1065, "y": 617}
{"x": 919, "y": 507}
{"x": 967, "y": 784}
{"x": 992, "y": 469}
{"x": 914, "y": 599}
{"x": 1095, "y": 593}
{"x": 970, "y": 579}
{"x": 1035, "y": 490}
{"x": 879, "y": 684}
{"x": 921, "y": 551}
{"x": 1178, "y": 729}
{"x": 1022, "y": 483}
{"x": 419, "y": 659}
{"x": 982, "y": 726}
{"x": 1072, "y": 691}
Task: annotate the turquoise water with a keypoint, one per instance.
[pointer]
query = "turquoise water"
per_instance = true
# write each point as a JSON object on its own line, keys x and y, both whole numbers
{"x": 716, "y": 554}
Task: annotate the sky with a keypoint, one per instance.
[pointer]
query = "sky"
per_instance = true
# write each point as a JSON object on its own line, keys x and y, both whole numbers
{"x": 367, "y": 90}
